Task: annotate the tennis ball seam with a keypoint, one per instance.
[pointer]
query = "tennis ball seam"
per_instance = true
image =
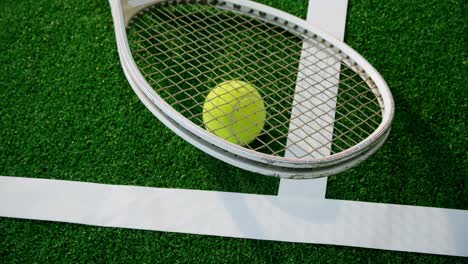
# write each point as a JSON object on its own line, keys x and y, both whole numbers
{"x": 234, "y": 110}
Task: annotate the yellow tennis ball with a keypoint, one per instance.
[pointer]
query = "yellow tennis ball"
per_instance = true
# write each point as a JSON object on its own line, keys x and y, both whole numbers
{"x": 234, "y": 111}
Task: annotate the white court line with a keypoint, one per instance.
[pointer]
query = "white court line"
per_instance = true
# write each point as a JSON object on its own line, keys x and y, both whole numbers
{"x": 321, "y": 221}
{"x": 282, "y": 218}
{"x": 330, "y": 16}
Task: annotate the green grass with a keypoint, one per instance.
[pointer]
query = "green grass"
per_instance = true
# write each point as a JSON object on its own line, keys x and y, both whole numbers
{"x": 67, "y": 112}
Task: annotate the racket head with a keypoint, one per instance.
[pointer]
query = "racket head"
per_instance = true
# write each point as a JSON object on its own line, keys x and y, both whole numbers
{"x": 276, "y": 164}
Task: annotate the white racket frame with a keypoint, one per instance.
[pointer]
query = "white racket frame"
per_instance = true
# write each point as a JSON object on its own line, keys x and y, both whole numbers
{"x": 284, "y": 167}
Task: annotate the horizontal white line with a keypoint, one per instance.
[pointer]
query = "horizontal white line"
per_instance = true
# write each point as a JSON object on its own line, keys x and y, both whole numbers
{"x": 358, "y": 224}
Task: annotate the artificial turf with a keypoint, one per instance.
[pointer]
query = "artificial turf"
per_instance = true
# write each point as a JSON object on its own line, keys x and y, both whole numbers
{"x": 67, "y": 112}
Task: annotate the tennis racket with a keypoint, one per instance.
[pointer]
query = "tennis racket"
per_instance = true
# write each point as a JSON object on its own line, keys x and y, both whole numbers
{"x": 324, "y": 107}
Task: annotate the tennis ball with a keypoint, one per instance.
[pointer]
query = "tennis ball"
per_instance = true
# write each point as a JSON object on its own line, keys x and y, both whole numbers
{"x": 234, "y": 111}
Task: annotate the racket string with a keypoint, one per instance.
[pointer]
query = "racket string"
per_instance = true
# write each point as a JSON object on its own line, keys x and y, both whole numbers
{"x": 184, "y": 51}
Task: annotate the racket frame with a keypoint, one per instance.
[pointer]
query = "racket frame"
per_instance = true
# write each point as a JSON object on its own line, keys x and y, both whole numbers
{"x": 284, "y": 167}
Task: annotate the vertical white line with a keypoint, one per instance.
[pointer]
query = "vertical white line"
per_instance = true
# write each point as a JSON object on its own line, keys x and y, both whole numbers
{"x": 330, "y": 16}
